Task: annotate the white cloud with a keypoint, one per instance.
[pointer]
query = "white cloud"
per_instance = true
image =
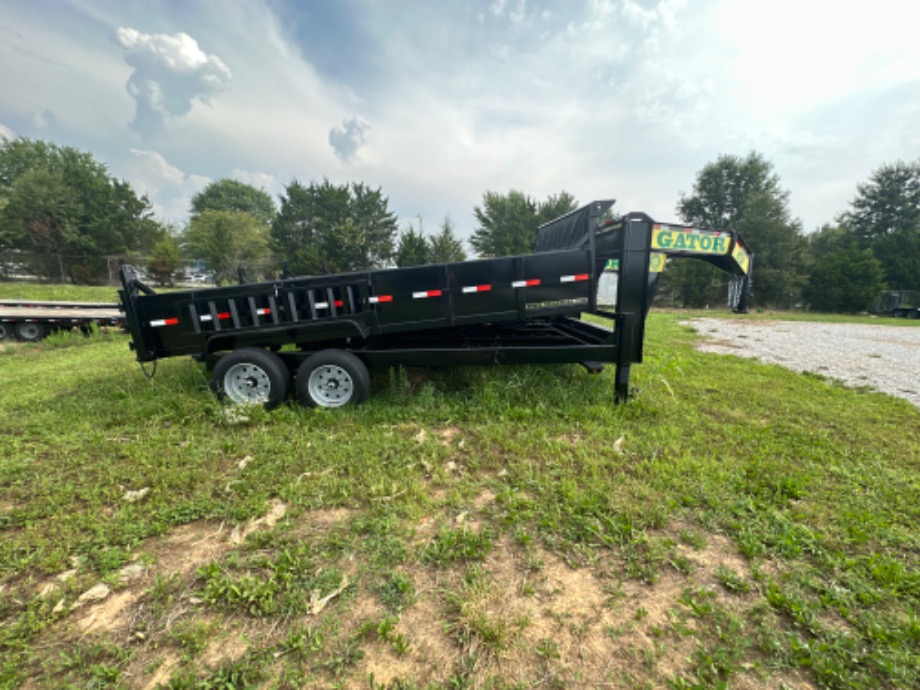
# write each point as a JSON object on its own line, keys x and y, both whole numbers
{"x": 170, "y": 73}
{"x": 6, "y": 132}
{"x": 169, "y": 188}
{"x": 259, "y": 180}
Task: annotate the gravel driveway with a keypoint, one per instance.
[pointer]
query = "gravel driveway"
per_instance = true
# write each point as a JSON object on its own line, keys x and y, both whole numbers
{"x": 884, "y": 358}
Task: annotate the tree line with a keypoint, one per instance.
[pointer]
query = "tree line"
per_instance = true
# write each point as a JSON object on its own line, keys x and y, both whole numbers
{"x": 60, "y": 206}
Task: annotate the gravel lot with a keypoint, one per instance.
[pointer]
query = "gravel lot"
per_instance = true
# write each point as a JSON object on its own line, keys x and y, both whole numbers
{"x": 884, "y": 358}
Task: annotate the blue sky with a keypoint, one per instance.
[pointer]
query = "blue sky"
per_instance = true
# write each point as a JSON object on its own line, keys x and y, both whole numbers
{"x": 437, "y": 103}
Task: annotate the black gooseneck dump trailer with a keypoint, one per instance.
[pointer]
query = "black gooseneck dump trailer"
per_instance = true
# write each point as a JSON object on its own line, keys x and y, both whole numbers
{"x": 508, "y": 310}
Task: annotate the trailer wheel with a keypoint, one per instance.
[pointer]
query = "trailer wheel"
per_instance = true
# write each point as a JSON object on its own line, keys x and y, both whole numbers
{"x": 250, "y": 376}
{"x": 30, "y": 332}
{"x": 332, "y": 378}
{"x": 6, "y": 331}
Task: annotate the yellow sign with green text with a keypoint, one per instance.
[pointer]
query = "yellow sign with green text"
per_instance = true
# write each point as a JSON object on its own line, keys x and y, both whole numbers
{"x": 677, "y": 239}
{"x": 742, "y": 258}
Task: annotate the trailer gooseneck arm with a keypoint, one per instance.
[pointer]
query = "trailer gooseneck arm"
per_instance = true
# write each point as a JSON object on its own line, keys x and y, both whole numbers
{"x": 516, "y": 309}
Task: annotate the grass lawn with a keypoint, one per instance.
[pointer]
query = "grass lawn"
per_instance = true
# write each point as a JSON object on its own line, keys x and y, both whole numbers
{"x": 736, "y": 525}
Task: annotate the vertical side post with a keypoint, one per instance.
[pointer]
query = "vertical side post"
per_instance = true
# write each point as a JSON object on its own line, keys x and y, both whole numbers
{"x": 745, "y": 297}
{"x": 632, "y": 295}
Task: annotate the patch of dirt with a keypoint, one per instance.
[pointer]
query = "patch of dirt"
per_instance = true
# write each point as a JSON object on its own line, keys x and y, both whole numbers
{"x": 168, "y": 663}
{"x": 188, "y": 547}
{"x": 432, "y": 655}
{"x": 113, "y": 615}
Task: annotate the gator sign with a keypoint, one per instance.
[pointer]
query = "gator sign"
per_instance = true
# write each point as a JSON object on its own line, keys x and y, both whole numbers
{"x": 741, "y": 257}
{"x": 675, "y": 238}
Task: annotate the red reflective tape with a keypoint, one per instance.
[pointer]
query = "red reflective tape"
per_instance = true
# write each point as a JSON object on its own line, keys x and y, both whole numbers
{"x": 263, "y": 312}
{"x": 426, "y": 293}
{"x": 477, "y": 288}
{"x": 525, "y": 283}
{"x": 338, "y": 303}
{"x": 164, "y": 322}
{"x": 574, "y": 279}
{"x": 380, "y": 298}
{"x": 224, "y": 315}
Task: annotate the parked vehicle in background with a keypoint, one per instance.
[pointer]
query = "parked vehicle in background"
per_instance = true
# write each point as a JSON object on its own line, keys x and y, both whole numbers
{"x": 903, "y": 304}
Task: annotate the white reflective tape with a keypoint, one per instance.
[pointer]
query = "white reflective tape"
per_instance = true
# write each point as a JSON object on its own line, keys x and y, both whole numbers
{"x": 519, "y": 283}
{"x": 205, "y": 317}
{"x": 322, "y": 305}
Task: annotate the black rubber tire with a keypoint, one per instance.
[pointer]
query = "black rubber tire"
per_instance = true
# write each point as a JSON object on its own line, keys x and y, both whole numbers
{"x": 251, "y": 376}
{"x": 332, "y": 378}
{"x": 6, "y": 332}
{"x": 31, "y": 332}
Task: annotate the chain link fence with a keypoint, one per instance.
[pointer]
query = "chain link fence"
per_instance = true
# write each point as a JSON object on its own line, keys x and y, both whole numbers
{"x": 71, "y": 269}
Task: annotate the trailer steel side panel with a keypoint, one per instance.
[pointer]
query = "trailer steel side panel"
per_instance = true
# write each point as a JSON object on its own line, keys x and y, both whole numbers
{"x": 515, "y": 309}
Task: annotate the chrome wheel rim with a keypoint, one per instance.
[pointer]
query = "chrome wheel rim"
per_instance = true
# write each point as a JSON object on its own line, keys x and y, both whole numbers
{"x": 247, "y": 384}
{"x": 330, "y": 386}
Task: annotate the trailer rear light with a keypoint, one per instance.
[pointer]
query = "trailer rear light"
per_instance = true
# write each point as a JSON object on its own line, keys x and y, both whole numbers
{"x": 525, "y": 283}
{"x": 426, "y": 293}
{"x": 380, "y": 298}
{"x": 477, "y": 288}
{"x": 574, "y": 279}
{"x": 164, "y": 322}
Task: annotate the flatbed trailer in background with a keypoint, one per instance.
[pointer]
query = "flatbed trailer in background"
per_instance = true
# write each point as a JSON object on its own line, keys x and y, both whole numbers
{"x": 323, "y": 333}
{"x": 31, "y": 320}
{"x": 902, "y": 304}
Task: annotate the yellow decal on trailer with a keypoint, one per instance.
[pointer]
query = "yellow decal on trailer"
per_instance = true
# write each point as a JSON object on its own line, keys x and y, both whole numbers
{"x": 656, "y": 262}
{"x": 670, "y": 238}
{"x": 741, "y": 257}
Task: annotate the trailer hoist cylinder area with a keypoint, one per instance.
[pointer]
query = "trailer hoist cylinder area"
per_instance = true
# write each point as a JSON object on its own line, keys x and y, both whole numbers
{"x": 319, "y": 336}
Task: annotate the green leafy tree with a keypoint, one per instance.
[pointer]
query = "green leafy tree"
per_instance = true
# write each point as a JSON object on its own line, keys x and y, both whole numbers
{"x": 889, "y": 202}
{"x": 232, "y": 195}
{"x": 412, "y": 249}
{"x": 327, "y": 228}
{"x": 445, "y": 247}
{"x": 885, "y": 216}
{"x": 63, "y": 204}
{"x": 164, "y": 260}
{"x": 899, "y": 255}
{"x": 226, "y": 240}
{"x": 844, "y": 277}
{"x": 508, "y": 222}
{"x": 742, "y": 194}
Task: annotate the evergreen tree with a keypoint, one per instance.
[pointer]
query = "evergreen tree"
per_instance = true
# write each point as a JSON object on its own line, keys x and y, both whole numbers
{"x": 885, "y": 216}
{"x": 412, "y": 249}
{"x": 445, "y": 247}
